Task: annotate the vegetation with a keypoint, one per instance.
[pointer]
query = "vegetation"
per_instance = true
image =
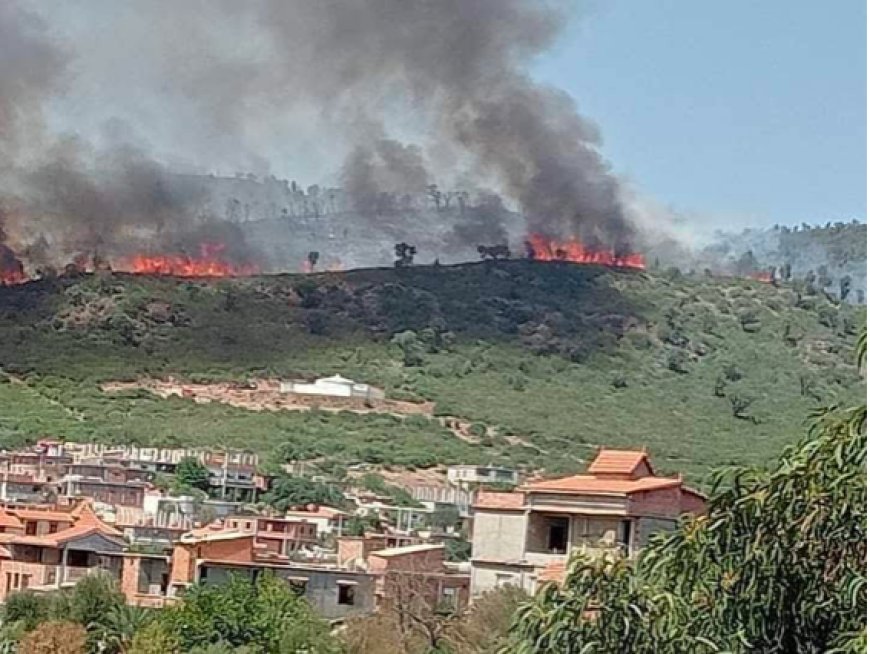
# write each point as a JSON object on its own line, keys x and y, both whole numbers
{"x": 289, "y": 491}
{"x": 264, "y": 617}
{"x": 545, "y": 357}
{"x": 778, "y": 565}
{"x": 411, "y": 627}
{"x": 191, "y": 473}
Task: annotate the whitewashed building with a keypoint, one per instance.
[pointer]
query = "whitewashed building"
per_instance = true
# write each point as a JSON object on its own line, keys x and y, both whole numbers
{"x": 465, "y": 476}
{"x": 335, "y": 386}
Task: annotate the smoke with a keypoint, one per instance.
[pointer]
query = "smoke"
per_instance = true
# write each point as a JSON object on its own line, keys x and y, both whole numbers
{"x": 380, "y": 179}
{"x": 393, "y": 95}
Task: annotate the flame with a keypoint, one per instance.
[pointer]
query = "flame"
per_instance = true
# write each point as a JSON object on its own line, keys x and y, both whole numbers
{"x": 542, "y": 248}
{"x": 11, "y": 268}
{"x": 765, "y": 277}
{"x": 209, "y": 263}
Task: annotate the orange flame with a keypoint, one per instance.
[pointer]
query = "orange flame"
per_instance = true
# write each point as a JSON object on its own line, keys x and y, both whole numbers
{"x": 11, "y": 268}
{"x": 542, "y": 248}
{"x": 765, "y": 277}
{"x": 210, "y": 263}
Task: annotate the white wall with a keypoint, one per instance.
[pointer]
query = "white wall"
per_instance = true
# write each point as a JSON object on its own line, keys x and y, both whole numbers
{"x": 498, "y": 535}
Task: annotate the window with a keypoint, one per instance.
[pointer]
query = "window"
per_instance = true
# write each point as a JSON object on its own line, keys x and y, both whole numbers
{"x": 25, "y": 581}
{"x": 30, "y": 529}
{"x": 52, "y": 527}
{"x": 346, "y": 594}
{"x": 557, "y": 535}
{"x": 77, "y": 558}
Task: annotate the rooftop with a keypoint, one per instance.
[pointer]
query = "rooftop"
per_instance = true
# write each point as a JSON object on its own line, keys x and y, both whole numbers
{"x": 499, "y": 500}
{"x": 597, "y": 485}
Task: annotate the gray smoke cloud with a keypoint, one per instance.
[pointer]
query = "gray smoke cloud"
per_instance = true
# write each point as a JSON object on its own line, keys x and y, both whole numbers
{"x": 372, "y": 87}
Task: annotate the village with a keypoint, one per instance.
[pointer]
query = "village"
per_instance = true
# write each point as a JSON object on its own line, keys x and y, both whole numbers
{"x": 74, "y": 509}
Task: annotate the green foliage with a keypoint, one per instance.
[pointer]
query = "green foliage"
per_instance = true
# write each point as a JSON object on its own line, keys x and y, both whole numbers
{"x": 191, "y": 473}
{"x": 266, "y": 616}
{"x": 777, "y": 565}
{"x": 288, "y": 491}
{"x": 457, "y": 549}
{"x": 444, "y": 517}
{"x": 27, "y": 609}
{"x": 376, "y": 484}
{"x": 522, "y": 347}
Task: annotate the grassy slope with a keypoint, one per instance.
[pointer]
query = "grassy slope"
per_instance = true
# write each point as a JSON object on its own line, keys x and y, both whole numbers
{"x": 563, "y": 357}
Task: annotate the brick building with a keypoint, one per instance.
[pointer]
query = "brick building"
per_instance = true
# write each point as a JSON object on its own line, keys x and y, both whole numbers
{"x": 613, "y": 508}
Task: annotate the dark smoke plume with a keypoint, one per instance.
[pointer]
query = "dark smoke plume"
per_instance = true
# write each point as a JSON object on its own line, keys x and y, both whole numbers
{"x": 217, "y": 80}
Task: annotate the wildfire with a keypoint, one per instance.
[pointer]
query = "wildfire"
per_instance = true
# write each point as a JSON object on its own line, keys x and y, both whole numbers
{"x": 765, "y": 277}
{"x": 209, "y": 263}
{"x": 542, "y": 248}
{"x": 11, "y": 268}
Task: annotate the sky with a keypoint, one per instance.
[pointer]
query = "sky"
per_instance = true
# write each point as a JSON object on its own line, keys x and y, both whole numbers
{"x": 743, "y": 111}
{"x": 737, "y": 112}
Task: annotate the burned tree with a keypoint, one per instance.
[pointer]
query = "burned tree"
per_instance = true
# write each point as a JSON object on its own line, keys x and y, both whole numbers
{"x": 845, "y": 287}
{"x": 313, "y": 258}
{"x": 404, "y": 255}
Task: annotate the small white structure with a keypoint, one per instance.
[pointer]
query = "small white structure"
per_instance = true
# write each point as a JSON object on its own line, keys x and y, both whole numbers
{"x": 335, "y": 386}
{"x": 464, "y": 476}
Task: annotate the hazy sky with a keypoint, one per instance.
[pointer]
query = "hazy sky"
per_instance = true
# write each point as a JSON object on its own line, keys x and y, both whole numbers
{"x": 741, "y": 111}
{"x": 745, "y": 109}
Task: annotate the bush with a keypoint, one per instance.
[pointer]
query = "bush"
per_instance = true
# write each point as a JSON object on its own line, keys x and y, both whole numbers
{"x": 678, "y": 361}
{"x": 27, "y": 608}
{"x": 55, "y": 637}
{"x": 265, "y": 615}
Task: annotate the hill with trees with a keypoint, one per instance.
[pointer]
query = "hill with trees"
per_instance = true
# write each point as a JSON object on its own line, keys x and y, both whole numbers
{"x": 833, "y": 256}
{"x": 545, "y": 360}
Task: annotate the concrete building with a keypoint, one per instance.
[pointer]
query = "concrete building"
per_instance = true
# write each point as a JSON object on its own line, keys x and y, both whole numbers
{"x": 466, "y": 476}
{"x": 614, "y": 508}
{"x": 335, "y": 386}
{"x": 212, "y": 557}
{"x": 327, "y": 519}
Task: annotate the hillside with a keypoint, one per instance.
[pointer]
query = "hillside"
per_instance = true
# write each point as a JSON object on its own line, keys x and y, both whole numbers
{"x": 554, "y": 358}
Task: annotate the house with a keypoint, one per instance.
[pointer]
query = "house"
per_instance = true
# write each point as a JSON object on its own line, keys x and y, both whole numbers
{"x": 44, "y": 549}
{"x": 613, "y": 508}
{"x": 212, "y": 558}
{"x": 466, "y": 476}
{"x": 418, "y": 572}
{"x": 335, "y": 386}
{"x": 327, "y": 519}
{"x": 115, "y": 493}
{"x": 282, "y": 536}
{"x": 17, "y": 487}
{"x": 354, "y": 551}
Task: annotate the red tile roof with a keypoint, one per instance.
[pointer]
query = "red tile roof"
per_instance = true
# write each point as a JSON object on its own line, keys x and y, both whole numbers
{"x": 593, "y": 484}
{"x": 9, "y": 520}
{"x": 499, "y": 500}
{"x": 618, "y": 462}
{"x": 39, "y": 514}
